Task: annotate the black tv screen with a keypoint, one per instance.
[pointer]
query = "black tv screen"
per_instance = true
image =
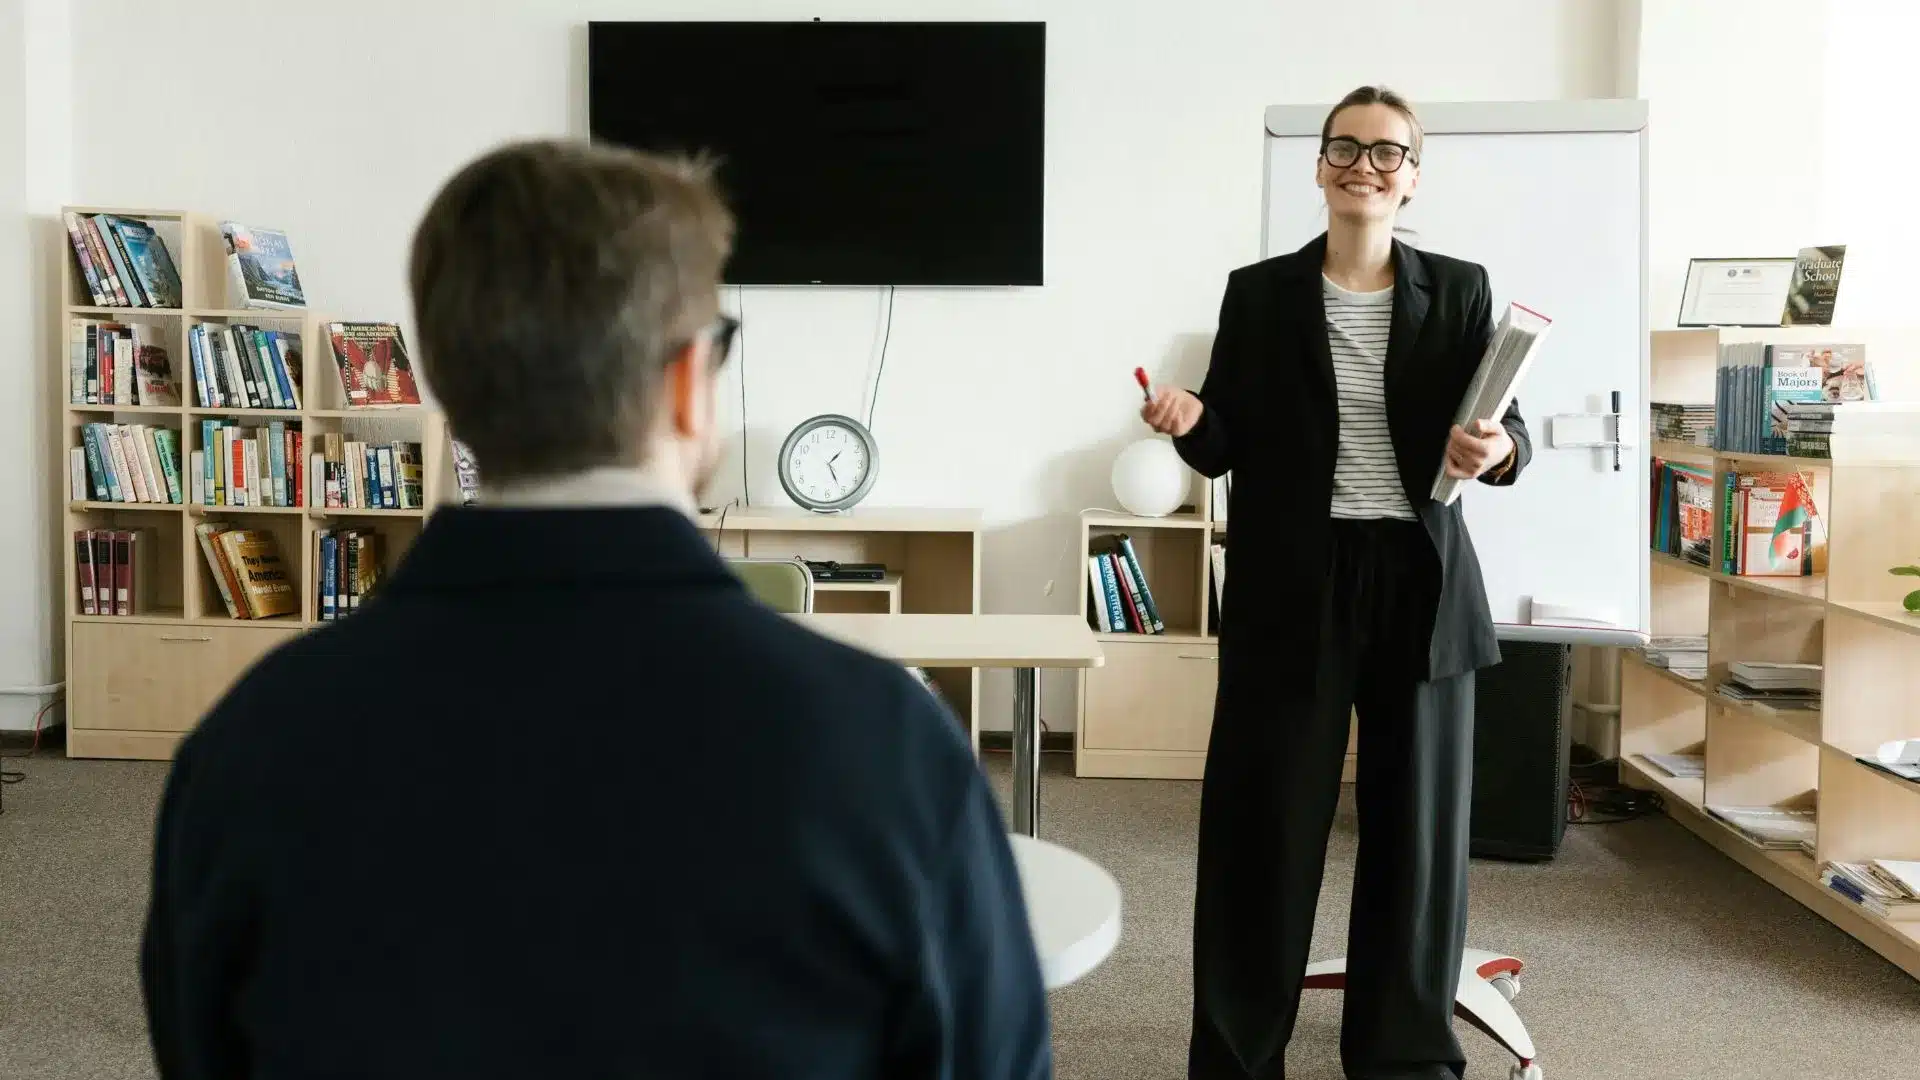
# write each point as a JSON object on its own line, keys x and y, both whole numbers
{"x": 851, "y": 153}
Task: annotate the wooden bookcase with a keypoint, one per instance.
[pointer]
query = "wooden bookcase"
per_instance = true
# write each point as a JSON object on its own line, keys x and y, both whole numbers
{"x": 932, "y": 558}
{"x": 1847, "y": 617}
{"x": 1148, "y": 712}
{"x": 138, "y": 683}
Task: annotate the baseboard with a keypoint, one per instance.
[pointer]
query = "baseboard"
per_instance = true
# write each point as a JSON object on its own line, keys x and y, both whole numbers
{"x": 1051, "y": 742}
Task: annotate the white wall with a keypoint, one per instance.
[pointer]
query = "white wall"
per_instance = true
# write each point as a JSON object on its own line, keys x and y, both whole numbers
{"x": 336, "y": 123}
{"x": 35, "y": 175}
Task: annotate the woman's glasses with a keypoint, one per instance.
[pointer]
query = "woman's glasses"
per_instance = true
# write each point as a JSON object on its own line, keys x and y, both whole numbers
{"x": 1342, "y": 151}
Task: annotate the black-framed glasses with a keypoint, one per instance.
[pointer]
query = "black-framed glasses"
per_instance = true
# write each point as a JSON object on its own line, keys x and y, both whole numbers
{"x": 725, "y": 328}
{"x": 1342, "y": 151}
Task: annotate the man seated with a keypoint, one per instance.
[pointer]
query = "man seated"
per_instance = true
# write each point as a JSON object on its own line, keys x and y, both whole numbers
{"x": 563, "y": 800}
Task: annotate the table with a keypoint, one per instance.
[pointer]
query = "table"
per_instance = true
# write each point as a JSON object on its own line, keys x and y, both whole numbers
{"x": 1025, "y": 643}
{"x": 1073, "y": 907}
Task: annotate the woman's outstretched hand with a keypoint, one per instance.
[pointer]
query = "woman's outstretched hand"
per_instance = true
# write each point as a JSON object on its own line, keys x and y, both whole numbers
{"x": 1172, "y": 411}
{"x": 1471, "y": 453}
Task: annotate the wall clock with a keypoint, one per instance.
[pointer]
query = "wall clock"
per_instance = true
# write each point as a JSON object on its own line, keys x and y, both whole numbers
{"x": 828, "y": 463}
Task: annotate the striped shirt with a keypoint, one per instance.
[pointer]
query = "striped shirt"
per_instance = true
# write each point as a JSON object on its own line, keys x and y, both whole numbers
{"x": 1366, "y": 477}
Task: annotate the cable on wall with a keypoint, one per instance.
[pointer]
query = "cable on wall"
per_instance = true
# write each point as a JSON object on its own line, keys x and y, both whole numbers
{"x": 886, "y": 337}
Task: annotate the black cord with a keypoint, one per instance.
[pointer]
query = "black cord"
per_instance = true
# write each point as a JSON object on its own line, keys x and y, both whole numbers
{"x": 740, "y": 304}
{"x": 886, "y": 337}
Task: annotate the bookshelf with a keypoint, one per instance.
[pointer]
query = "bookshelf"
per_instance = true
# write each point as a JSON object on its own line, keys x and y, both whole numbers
{"x": 138, "y": 682}
{"x": 1846, "y": 617}
{"x": 932, "y": 558}
{"x": 1148, "y": 711}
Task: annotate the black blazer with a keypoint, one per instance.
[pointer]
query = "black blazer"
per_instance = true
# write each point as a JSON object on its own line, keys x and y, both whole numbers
{"x": 564, "y": 800}
{"x": 1272, "y": 417}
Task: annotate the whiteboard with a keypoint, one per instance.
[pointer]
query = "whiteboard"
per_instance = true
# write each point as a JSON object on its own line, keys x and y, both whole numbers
{"x": 1551, "y": 198}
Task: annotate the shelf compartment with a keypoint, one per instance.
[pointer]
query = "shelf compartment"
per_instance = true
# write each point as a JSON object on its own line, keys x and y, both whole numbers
{"x": 1751, "y": 764}
{"x": 1803, "y": 590}
{"x": 1875, "y": 521}
{"x": 1660, "y": 712}
{"x": 156, "y": 585}
{"x": 1864, "y": 813}
{"x": 1872, "y": 684}
{"x": 1639, "y": 772}
{"x": 203, "y": 594}
{"x": 1173, "y": 561}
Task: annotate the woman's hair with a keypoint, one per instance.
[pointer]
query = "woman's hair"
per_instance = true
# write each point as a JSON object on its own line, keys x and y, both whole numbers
{"x": 1378, "y": 95}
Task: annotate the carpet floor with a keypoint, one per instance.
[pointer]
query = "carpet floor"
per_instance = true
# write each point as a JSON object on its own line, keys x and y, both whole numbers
{"x": 1650, "y": 955}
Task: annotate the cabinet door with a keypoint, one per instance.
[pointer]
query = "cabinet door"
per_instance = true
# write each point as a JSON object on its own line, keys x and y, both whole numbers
{"x": 158, "y": 677}
{"x": 1151, "y": 695}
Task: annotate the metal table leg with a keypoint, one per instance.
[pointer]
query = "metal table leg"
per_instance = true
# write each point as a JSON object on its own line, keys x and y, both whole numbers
{"x": 1026, "y": 751}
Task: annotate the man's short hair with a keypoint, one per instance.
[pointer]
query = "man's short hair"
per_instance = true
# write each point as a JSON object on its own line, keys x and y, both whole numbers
{"x": 552, "y": 282}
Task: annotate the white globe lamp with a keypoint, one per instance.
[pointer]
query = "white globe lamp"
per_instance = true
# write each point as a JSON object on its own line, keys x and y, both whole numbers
{"x": 1149, "y": 478}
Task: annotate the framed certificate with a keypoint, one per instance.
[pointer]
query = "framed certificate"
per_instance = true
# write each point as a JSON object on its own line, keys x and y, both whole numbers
{"x": 1736, "y": 292}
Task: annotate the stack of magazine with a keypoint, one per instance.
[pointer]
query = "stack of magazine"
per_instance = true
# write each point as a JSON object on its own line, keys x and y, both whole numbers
{"x": 1515, "y": 341}
{"x": 1778, "y": 828}
{"x": 1684, "y": 655}
{"x": 1783, "y": 686}
{"x": 1889, "y": 888}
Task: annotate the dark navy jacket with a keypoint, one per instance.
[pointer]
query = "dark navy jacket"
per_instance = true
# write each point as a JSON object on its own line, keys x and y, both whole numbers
{"x": 564, "y": 801}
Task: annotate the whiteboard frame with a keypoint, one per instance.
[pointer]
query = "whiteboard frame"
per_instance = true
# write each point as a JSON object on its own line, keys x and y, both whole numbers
{"x": 1594, "y": 115}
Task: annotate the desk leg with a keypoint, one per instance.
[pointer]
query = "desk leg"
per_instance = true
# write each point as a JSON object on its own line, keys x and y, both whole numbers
{"x": 1026, "y": 751}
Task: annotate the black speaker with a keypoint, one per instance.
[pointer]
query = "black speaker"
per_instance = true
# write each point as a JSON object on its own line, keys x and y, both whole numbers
{"x": 1522, "y": 708}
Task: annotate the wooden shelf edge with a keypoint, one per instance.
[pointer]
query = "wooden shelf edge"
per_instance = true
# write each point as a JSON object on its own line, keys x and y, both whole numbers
{"x": 1102, "y": 520}
{"x": 1778, "y": 719}
{"x": 1886, "y": 613}
{"x": 1766, "y": 586}
{"x": 1700, "y": 687}
{"x": 1897, "y": 945}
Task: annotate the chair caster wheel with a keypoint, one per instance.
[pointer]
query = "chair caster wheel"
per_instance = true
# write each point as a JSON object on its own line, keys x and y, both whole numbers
{"x": 1508, "y": 986}
{"x": 1526, "y": 1072}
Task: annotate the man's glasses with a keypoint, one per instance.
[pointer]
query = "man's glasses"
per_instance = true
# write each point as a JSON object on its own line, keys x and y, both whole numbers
{"x": 725, "y": 327}
{"x": 1342, "y": 151}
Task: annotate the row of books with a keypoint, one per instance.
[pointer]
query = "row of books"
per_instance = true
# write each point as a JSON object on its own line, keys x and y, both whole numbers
{"x": 125, "y": 463}
{"x": 351, "y": 474}
{"x": 248, "y": 570}
{"x": 236, "y": 366}
{"x": 347, "y": 567}
{"x": 1754, "y": 384}
{"x": 1767, "y": 524}
{"x": 1783, "y": 686}
{"x": 112, "y": 363}
{"x": 248, "y": 466}
{"x": 123, "y": 261}
{"x": 114, "y": 570}
{"x": 1682, "y": 422}
{"x": 1889, "y": 888}
{"x": 1122, "y": 602}
{"x": 1681, "y": 517}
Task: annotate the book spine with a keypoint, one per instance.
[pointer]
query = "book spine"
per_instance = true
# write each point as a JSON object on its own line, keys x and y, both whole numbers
{"x": 116, "y": 296}
{"x": 1097, "y": 596}
{"x": 389, "y": 497}
{"x": 122, "y": 271}
{"x": 126, "y": 482}
{"x": 102, "y": 570}
{"x": 169, "y": 446}
{"x": 330, "y": 583}
{"x": 87, "y": 271}
{"x": 77, "y": 473}
{"x": 122, "y": 572}
{"x": 196, "y": 471}
{"x": 216, "y": 564}
{"x": 1110, "y": 586}
{"x": 96, "y": 467}
{"x": 1146, "y": 590}
{"x": 277, "y": 463}
{"x": 83, "y": 568}
{"x": 136, "y": 281}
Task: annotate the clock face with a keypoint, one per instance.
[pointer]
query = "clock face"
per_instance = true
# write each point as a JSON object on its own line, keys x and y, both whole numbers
{"x": 826, "y": 464}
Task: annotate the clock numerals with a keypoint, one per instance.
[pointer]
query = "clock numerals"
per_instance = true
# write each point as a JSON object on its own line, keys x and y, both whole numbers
{"x": 827, "y": 463}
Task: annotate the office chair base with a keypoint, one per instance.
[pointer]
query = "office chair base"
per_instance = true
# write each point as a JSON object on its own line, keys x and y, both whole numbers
{"x": 1489, "y": 982}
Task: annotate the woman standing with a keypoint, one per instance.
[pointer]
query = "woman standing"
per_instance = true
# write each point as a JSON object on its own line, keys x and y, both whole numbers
{"x": 1333, "y": 383}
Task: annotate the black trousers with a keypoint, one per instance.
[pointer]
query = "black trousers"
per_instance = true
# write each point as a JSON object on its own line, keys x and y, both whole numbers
{"x": 1271, "y": 786}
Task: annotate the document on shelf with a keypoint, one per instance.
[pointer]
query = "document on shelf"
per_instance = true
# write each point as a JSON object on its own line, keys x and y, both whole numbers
{"x": 1515, "y": 342}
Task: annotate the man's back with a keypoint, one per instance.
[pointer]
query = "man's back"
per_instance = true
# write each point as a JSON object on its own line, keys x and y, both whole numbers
{"x": 565, "y": 801}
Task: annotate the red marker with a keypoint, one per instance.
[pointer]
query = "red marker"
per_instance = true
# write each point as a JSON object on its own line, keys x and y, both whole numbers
{"x": 1140, "y": 376}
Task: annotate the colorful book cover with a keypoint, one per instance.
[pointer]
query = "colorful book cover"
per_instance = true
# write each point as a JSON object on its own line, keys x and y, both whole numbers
{"x": 148, "y": 259}
{"x": 1815, "y": 286}
{"x": 260, "y": 267}
{"x": 1793, "y": 376}
{"x": 374, "y": 369}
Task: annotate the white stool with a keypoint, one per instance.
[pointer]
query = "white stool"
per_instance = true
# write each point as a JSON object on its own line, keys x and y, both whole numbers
{"x": 1073, "y": 908}
{"x": 1488, "y": 983}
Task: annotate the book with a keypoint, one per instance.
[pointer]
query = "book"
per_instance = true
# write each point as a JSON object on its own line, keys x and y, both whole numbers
{"x": 1509, "y": 353}
{"x": 256, "y": 572}
{"x": 260, "y": 268}
{"x": 1682, "y": 512}
{"x": 1772, "y": 827}
{"x": 374, "y": 369}
{"x": 1684, "y": 766}
{"x": 466, "y": 472}
{"x": 1814, "y": 287}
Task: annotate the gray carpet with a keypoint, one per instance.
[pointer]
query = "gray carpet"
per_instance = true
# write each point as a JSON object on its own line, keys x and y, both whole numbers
{"x": 1650, "y": 955}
